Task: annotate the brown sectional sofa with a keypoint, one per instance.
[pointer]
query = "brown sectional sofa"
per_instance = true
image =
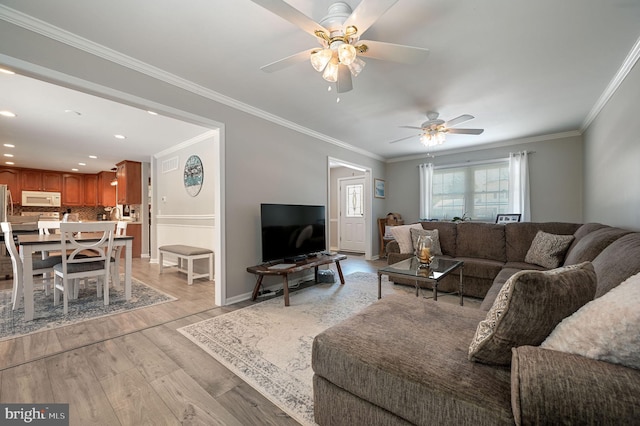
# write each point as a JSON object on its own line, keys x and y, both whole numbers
{"x": 404, "y": 360}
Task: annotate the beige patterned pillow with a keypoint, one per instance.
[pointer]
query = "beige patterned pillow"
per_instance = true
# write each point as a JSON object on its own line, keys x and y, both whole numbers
{"x": 402, "y": 235}
{"x": 548, "y": 250}
{"x": 528, "y": 308}
{"x": 435, "y": 238}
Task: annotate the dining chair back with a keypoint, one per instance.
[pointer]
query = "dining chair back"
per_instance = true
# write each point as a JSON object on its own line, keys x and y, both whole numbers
{"x": 121, "y": 229}
{"x": 41, "y": 267}
{"x": 77, "y": 238}
{"x": 48, "y": 227}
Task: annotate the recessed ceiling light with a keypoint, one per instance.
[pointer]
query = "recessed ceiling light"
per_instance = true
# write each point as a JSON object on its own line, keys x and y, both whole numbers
{"x": 82, "y": 164}
{"x": 8, "y": 155}
{"x": 11, "y": 163}
{"x": 93, "y": 156}
{"x": 7, "y": 114}
{"x": 152, "y": 112}
{"x": 9, "y": 145}
{"x": 6, "y": 71}
{"x": 74, "y": 170}
{"x": 70, "y": 111}
{"x": 120, "y": 136}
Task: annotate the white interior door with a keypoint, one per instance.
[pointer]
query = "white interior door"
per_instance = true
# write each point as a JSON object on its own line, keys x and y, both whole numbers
{"x": 351, "y": 226}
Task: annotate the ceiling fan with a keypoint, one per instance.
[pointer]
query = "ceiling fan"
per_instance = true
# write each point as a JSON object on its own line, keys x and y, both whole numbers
{"x": 433, "y": 130}
{"x": 338, "y": 33}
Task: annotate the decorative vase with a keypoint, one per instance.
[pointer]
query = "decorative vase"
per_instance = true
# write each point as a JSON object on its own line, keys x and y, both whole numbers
{"x": 423, "y": 250}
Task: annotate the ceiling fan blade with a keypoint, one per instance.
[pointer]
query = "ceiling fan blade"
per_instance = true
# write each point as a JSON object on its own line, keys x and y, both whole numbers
{"x": 458, "y": 120}
{"x": 404, "y": 139}
{"x": 394, "y": 52}
{"x": 344, "y": 83}
{"x": 411, "y": 127}
{"x": 466, "y": 131}
{"x": 288, "y": 61}
{"x": 367, "y": 13}
{"x": 291, "y": 14}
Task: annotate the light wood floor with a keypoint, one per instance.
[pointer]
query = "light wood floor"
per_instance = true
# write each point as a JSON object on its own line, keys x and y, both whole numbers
{"x": 135, "y": 368}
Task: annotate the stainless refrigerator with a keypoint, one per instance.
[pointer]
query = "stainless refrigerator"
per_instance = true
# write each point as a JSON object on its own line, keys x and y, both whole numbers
{"x": 6, "y": 204}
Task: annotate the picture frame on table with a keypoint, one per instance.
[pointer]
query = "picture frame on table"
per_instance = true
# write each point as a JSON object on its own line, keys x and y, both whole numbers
{"x": 508, "y": 218}
{"x": 379, "y": 190}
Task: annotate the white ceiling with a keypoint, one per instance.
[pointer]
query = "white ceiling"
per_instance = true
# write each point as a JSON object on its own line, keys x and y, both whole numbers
{"x": 523, "y": 69}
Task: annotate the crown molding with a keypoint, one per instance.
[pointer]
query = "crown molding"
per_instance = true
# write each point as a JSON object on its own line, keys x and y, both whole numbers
{"x": 50, "y": 31}
{"x": 623, "y": 72}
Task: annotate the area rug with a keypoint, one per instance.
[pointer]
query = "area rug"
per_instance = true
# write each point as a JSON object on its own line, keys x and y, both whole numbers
{"x": 86, "y": 307}
{"x": 268, "y": 345}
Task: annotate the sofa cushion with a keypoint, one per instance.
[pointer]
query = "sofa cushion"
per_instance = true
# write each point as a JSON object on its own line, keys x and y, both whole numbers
{"x": 481, "y": 240}
{"x": 447, "y": 232}
{"x": 607, "y": 328}
{"x": 408, "y": 356}
{"x": 519, "y": 236}
{"x": 548, "y": 250}
{"x": 528, "y": 307}
{"x": 617, "y": 262}
{"x": 435, "y": 239}
{"x": 592, "y": 244}
{"x": 402, "y": 234}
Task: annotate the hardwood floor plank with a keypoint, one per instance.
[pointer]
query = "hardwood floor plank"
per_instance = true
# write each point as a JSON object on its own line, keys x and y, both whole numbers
{"x": 40, "y": 344}
{"x": 135, "y": 402}
{"x": 190, "y": 403}
{"x": 106, "y": 359}
{"x": 74, "y": 383}
{"x": 12, "y": 352}
{"x": 150, "y": 360}
{"x": 28, "y": 383}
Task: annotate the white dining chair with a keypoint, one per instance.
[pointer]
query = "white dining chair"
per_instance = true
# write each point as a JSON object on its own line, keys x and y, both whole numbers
{"x": 77, "y": 266}
{"x": 45, "y": 227}
{"x": 42, "y": 268}
{"x": 121, "y": 229}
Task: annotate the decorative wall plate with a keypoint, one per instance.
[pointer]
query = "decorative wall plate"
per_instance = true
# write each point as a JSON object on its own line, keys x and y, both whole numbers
{"x": 193, "y": 175}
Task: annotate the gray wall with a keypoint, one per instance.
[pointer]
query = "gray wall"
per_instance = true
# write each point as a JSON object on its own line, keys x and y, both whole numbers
{"x": 612, "y": 159}
{"x": 555, "y": 173}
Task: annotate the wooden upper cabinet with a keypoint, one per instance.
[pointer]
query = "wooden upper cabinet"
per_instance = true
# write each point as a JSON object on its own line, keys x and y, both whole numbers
{"x": 129, "y": 175}
{"x": 106, "y": 191}
{"x": 39, "y": 180}
{"x": 11, "y": 178}
{"x": 73, "y": 189}
{"x": 91, "y": 190}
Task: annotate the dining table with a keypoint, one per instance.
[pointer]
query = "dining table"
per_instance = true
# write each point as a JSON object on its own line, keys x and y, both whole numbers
{"x": 29, "y": 244}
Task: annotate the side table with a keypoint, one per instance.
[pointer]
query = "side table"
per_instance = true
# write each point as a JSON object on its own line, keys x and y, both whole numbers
{"x": 311, "y": 262}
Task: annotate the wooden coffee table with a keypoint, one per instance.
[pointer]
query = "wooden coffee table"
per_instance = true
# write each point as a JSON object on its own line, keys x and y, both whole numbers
{"x": 311, "y": 262}
{"x": 410, "y": 268}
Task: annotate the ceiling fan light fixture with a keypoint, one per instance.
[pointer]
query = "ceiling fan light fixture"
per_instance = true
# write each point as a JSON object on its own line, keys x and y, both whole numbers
{"x": 356, "y": 66}
{"x": 331, "y": 72}
{"x": 320, "y": 59}
{"x": 346, "y": 54}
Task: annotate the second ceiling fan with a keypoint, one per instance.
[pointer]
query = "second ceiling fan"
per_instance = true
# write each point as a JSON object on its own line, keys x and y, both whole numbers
{"x": 338, "y": 33}
{"x": 434, "y": 130}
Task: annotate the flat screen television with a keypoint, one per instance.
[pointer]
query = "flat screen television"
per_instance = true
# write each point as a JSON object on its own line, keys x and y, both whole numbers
{"x": 291, "y": 232}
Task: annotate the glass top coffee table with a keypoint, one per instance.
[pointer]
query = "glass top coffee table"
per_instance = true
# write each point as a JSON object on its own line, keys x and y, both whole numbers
{"x": 411, "y": 268}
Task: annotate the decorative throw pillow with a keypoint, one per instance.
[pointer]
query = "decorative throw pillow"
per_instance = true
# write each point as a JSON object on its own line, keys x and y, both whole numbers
{"x": 528, "y": 308}
{"x": 435, "y": 239}
{"x": 607, "y": 328}
{"x": 402, "y": 234}
{"x": 387, "y": 232}
{"x": 548, "y": 250}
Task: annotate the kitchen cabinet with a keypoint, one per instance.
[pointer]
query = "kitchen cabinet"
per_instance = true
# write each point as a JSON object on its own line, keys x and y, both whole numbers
{"x": 72, "y": 189}
{"x": 39, "y": 180}
{"x": 90, "y": 190}
{"x": 135, "y": 230}
{"x": 106, "y": 191}
{"x": 11, "y": 178}
{"x": 129, "y": 175}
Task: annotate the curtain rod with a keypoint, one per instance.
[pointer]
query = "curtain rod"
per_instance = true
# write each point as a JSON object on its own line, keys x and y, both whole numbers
{"x": 475, "y": 163}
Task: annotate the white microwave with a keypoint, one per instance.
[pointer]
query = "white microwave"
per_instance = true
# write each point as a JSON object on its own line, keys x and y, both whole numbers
{"x": 41, "y": 199}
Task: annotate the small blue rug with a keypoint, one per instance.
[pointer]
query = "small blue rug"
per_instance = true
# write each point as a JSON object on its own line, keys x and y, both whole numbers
{"x": 86, "y": 307}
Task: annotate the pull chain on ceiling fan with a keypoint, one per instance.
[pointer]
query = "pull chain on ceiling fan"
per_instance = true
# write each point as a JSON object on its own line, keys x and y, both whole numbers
{"x": 339, "y": 33}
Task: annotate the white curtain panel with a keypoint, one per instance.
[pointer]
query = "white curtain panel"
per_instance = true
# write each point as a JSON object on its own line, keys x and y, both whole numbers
{"x": 519, "y": 198}
{"x": 426, "y": 191}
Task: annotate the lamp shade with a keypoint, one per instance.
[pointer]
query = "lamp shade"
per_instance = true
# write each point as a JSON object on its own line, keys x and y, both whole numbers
{"x": 346, "y": 53}
{"x": 356, "y": 66}
{"x": 331, "y": 72}
{"x": 320, "y": 59}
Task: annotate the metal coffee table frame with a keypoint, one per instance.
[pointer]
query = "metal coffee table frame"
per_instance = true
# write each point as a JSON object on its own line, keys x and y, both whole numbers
{"x": 411, "y": 268}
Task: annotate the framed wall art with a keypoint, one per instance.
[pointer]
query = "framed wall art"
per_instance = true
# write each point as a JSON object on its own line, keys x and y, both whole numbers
{"x": 193, "y": 175}
{"x": 379, "y": 190}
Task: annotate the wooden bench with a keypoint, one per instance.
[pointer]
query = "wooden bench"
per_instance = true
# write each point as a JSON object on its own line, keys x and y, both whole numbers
{"x": 188, "y": 254}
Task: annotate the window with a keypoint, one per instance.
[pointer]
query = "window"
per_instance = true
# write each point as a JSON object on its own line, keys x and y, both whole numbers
{"x": 479, "y": 192}
{"x": 355, "y": 203}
